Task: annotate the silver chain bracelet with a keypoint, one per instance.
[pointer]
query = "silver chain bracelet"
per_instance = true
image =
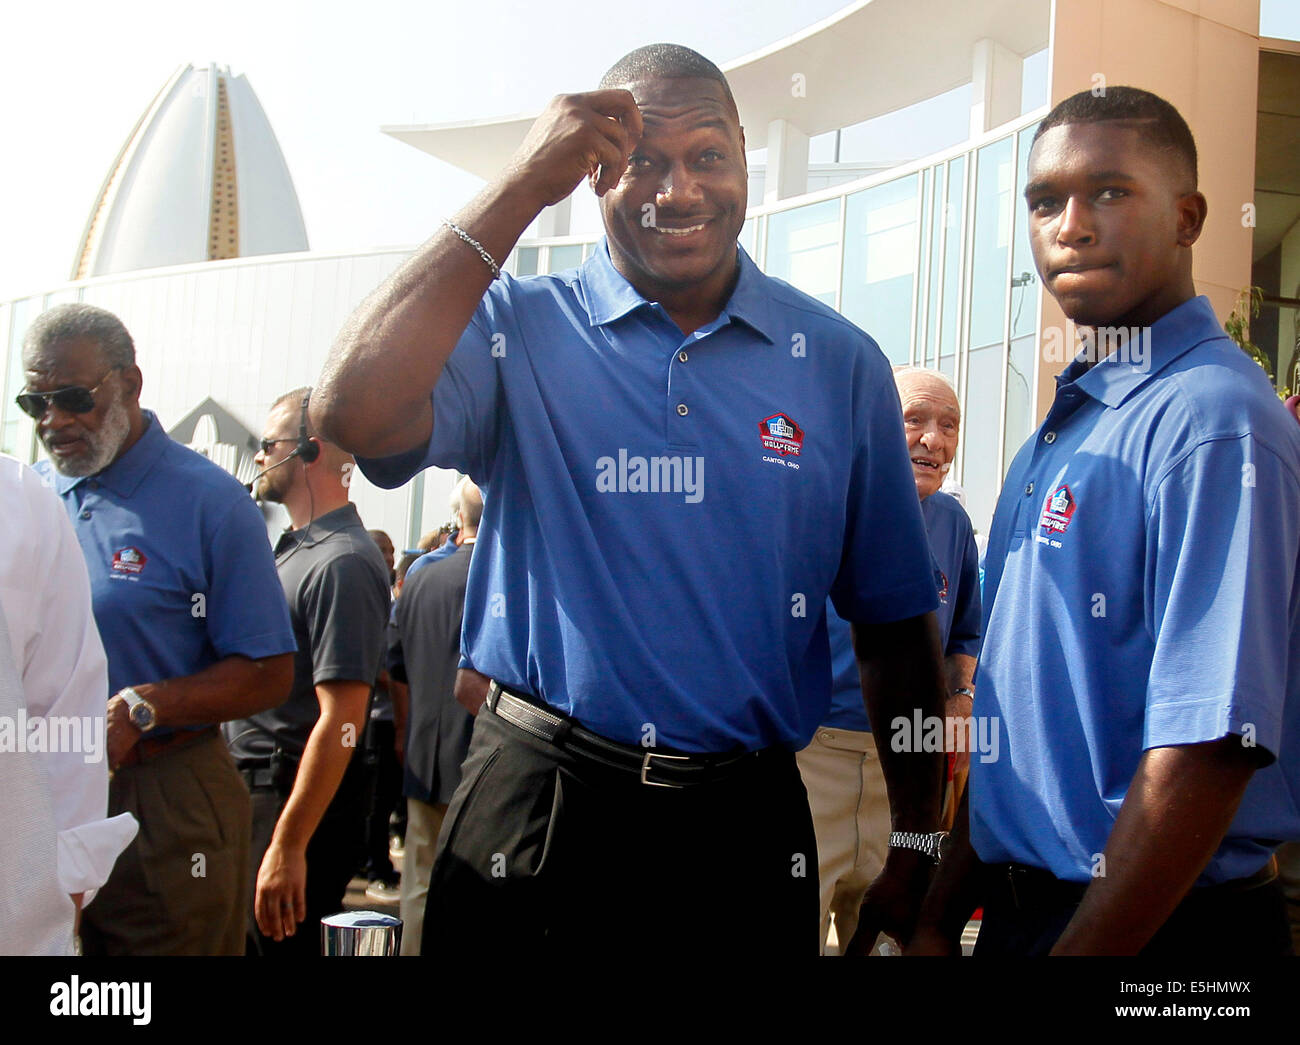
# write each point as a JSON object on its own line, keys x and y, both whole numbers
{"x": 487, "y": 258}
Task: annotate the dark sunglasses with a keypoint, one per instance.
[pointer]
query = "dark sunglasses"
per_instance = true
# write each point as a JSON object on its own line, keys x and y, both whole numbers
{"x": 269, "y": 444}
{"x": 71, "y": 400}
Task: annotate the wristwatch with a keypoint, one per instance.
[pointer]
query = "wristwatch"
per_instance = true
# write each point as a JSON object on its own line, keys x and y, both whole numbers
{"x": 139, "y": 711}
{"x": 932, "y": 845}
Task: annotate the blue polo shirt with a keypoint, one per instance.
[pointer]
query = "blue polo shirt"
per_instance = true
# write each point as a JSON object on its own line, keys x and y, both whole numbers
{"x": 1141, "y": 591}
{"x": 181, "y": 573}
{"x": 955, "y": 562}
{"x": 665, "y": 515}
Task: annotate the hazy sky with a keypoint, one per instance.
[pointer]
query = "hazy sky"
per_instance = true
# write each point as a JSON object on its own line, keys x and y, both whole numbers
{"x": 75, "y": 76}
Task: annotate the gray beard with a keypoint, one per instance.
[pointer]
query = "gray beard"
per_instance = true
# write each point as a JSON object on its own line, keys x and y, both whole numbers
{"x": 104, "y": 444}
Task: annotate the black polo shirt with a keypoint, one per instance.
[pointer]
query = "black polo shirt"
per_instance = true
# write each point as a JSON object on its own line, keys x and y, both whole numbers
{"x": 336, "y": 584}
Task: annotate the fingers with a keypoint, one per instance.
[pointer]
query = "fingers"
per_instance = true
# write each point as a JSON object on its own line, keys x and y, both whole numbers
{"x": 609, "y": 170}
{"x": 864, "y": 937}
{"x": 621, "y": 106}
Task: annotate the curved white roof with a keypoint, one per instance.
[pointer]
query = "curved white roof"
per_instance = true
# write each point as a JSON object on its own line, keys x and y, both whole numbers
{"x": 872, "y": 57}
{"x": 200, "y": 177}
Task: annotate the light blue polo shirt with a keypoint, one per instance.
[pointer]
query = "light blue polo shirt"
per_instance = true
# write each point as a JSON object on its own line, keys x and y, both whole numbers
{"x": 665, "y": 516}
{"x": 1141, "y": 591}
{"x": 955, "y": 562}
{"x": 181, "y": 573}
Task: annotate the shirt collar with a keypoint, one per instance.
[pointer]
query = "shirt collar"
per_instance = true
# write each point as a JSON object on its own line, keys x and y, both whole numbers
{"x": 125, "y": 474}
{"x": 1118, "y": 376}
{"x": 610, "y": 297}
{"x": 324, "y": 525}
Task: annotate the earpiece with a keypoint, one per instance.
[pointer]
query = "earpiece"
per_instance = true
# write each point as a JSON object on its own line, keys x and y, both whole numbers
{"x": 307, "y": 449}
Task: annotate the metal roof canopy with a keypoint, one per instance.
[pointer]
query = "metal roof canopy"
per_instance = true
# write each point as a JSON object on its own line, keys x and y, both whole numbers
{"x": 871, "y": 58}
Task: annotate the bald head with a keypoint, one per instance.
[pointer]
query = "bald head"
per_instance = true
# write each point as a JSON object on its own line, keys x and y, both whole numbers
{"x": 932, "y": 423}
{"x": 470, "y": 511}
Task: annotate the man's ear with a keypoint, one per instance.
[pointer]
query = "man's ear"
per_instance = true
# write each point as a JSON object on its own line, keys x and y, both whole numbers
{"x": 1192, "y": 209}
{"x": 133, "y": 380}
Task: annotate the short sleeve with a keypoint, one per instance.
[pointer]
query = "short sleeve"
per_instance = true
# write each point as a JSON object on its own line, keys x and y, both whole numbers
{"x": 465, "y": 401}
{"x": 1223, "y": 527}
{"x": 345, "y": 607}
{"x": 885, "y": 572}
{"x": 964, "y": 635}
{"x": 244, "y": 608}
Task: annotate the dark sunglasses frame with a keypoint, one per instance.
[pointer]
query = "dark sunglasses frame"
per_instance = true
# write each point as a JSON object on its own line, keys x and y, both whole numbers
{"x": 74, "y": 399}
{"x": 268, "y": 445}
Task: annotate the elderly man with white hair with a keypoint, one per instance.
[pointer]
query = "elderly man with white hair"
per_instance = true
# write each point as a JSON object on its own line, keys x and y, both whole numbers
{"x": 841, "y": 767}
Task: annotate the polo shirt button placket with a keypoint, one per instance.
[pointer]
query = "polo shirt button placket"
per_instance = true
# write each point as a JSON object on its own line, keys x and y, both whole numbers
{"x": 1049, "y": 437}
{"x": 1029, "y": 489}
{"x": 683, "y": 409}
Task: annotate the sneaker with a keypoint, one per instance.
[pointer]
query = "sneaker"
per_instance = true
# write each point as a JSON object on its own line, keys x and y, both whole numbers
{"x": 383, "y": 892}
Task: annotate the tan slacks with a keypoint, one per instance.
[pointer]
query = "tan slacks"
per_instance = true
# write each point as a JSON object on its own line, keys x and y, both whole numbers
{"x": 850, "y": 809}
{"x": 423, "y": 822}
{"x": 181, "y": 887}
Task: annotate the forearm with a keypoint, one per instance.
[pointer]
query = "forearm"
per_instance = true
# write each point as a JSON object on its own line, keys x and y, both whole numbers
{"x": 956, "y": 889}
{"x": 959, "y": 671}
{"x": 1177, "y": 810}
{"x": 372, "y": 397}
{"x": 900, "y": 668}
{"x": 234, "y": 687}
{"x": 324, "y": 761}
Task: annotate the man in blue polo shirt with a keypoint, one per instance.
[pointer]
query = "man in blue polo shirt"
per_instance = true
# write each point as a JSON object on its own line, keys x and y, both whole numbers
{"x": 841, "y": 767}
{"x": 1142, "y": 606}
{"x": 680, "y": 459}
{"x": 194, "y": 624}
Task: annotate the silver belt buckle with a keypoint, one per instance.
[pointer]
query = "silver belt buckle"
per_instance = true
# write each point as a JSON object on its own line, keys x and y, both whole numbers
{"x": 645, "y": 767}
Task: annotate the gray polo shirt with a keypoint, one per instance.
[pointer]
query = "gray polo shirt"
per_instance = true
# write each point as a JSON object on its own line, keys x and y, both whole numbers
{"x": 336, "y": 584}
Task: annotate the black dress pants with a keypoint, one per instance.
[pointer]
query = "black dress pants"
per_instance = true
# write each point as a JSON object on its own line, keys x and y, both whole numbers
{"x": 542, "y": 850}
{"x": 1224, "y": 922}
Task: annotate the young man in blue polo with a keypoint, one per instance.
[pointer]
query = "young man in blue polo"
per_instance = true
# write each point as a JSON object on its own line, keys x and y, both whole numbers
{"x": 1141, "y": 599}
{"x": 681, "y": 459}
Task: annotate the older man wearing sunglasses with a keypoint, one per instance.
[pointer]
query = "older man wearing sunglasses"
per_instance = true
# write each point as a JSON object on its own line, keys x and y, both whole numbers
{"x": 189, "y": 606}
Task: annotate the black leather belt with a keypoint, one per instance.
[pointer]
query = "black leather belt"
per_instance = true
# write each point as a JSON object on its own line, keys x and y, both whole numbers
{"x": 653, "y": 768}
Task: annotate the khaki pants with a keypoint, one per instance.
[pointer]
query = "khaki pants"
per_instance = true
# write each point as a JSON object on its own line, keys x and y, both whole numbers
{"x": 423, "y": 822}
{"x": 181, "y": 886}
{"x": 850, "y": 809}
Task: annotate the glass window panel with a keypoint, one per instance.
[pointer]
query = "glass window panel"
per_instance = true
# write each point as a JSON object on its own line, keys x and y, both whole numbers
{"x": 880, "y": 263}
{"x": 749, "y": 236}
{"x": 981, "y": 473}
{"x": 526, "y": 261}
{"x": 954, "y": 222}
{"x": 803, "y": 248}
{"x": 566, "y": 257}
{"x": 994, "y": 186}
{"x": 1020, "y": 378}
{"x": 1024, "y": 280}
{"x": 935, "y": 319}
{"x": 16, "y": 431}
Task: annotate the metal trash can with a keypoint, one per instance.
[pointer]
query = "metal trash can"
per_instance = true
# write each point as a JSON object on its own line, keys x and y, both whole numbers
{"x": 360, "y": 933}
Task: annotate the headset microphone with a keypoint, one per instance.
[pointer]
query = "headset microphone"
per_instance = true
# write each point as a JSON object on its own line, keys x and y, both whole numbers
{"x": 307, "y": 448}
{"x": 287, "y": 458}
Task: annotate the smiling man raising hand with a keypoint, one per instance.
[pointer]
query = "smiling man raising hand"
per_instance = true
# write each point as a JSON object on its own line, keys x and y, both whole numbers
{"x": 681, "y": 459}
